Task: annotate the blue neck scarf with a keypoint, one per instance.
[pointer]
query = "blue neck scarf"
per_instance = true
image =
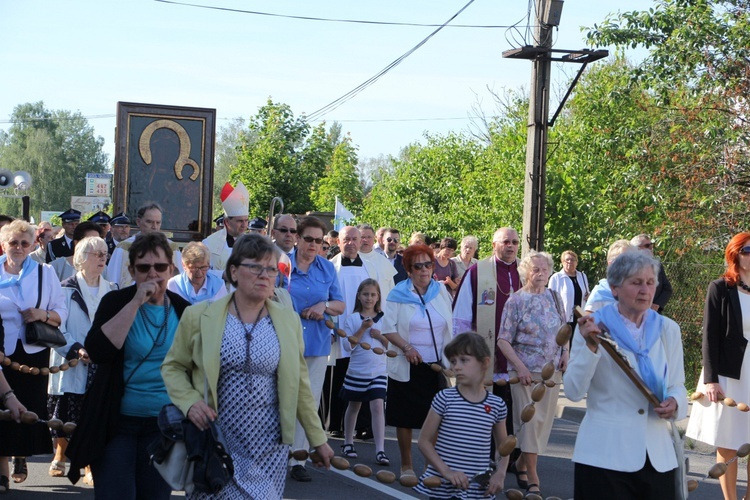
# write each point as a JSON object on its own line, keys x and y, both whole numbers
{"x": 601, "y": 293}
{"x": 652, "y": 322}
{"x": 401, "y": 293}
{"x": 28, "y": 267}
{"x": 212, "y": 285}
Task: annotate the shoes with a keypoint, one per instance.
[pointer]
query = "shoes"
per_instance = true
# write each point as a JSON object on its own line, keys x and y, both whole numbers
{"x": 336, "y": 434}
{"x": 538, "y": 492}
{"x": 382, "y": 459}
{"x": 4, "y": 484}
{"x": 522, "y": 483}
{"x": 348, "y": 451}
{"x": 19, "y": 472}
{"x": 299, "y": 473}
{"x": 408, "y": 479}
{"x": 57, "y": 468}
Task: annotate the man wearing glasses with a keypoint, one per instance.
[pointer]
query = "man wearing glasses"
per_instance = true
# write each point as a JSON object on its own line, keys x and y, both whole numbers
{"x": 235, "y": 202}
{"x": 284, "y": 233}
{"x": 664, "y": 288}
{"x": 392, "y": 240}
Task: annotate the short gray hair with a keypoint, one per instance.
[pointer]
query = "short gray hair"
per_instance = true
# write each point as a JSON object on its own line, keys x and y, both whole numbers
{"x": 470, "y": 240}
{"x": 636, "y": 240}
{"x": 194, "y": 252}
{"x": 525, "y": 266}
{"x": 88, "y": 244}
{"x": 628, "y": 264}
{"x": 18, "y": 226}
{"x": 618, "y": 248}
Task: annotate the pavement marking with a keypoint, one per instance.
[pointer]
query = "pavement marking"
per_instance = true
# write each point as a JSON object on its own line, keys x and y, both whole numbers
{"x": 374, "y": 484}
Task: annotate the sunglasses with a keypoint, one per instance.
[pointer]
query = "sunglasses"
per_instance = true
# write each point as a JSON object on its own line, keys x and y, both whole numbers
{"x": 743, "y": 250}
{"x": 286, "y": 230}
{"x": 310, "y": 239}
{"x": 326, "y": 247}
{"x": 391, "y": 240}
{"x": 422, "y": 265}
{"x": 159, "y": 267}
{"x": 257, "y": 269}
{"x": 20, "y": 243}
{"x": 98, "y": 255}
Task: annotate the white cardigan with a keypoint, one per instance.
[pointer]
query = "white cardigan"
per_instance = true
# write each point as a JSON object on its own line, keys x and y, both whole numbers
{"x": 620, "y": 428}
{"x": 562, "y": 284}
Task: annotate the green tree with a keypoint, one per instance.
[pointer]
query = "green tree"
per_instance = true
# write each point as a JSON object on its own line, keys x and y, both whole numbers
{"x": 228, "y": 143}
{"x": 57, "y": 148}
{"x": 340, "y": 179}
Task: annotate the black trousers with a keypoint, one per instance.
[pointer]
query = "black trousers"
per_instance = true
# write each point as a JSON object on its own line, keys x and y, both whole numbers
{"x": 645, "y": 484}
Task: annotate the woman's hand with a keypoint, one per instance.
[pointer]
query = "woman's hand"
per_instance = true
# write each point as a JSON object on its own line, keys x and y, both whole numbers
{"x": 367, "y": 324}
{"x": 15, "y": 407}
{"x": 497, "y": 481}
{"x": 145, "y": 291}
{"x": 714, "y": 392}
{"x": 590, "y": 331}
{"x": 326, "y": 454}
{"x": 457, "y": 479}
{"x": 83, "y": 355}
{"x": 524, "y": 375}
{"x": 667, "y": 408}
{"x": 33, "y": 314}
{"x": 412, "y": 356}
{"x": 201, "y": 414}
{"x": 564, "y": 358}
{"x": 316, "y": 312}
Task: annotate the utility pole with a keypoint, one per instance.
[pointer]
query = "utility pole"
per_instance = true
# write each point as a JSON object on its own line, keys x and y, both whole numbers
{"x": 536, "y": 141}
{"x": 548, "y": 14}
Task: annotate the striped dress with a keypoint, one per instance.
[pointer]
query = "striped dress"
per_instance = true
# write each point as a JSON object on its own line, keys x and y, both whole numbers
{"x": 463, "y": 440}
{"x": 366, "y": 378}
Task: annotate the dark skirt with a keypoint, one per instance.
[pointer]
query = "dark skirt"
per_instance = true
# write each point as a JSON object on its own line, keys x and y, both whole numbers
{"x": 409, "y": 402}
{"x": 364, "y": 390}
{"x": 645, "y": 484}
{"x": 23, "y": 440}
{"x": 66, "y": 408}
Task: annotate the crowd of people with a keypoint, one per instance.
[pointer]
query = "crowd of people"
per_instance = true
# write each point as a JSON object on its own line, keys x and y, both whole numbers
{"x": 280, "y": 340}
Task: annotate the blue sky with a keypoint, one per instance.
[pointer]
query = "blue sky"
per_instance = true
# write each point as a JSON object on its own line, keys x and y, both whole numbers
{"x": 87, "y": 55}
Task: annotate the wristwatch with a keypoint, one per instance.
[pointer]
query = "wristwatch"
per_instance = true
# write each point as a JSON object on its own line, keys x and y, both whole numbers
{"x": 47, "y": 320}
{"x": 324, "y": 310}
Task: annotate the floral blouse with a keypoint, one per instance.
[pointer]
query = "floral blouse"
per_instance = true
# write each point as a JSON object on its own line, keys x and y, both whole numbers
{"x": 530, "y": 323}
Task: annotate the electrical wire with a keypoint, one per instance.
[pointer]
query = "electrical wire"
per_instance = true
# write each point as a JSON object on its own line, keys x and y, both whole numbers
{"x": 362, "y": 86}
{"x": 331, "y": 20}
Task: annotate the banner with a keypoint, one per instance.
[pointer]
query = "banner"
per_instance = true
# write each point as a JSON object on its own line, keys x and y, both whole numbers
{"x": 341, "y": 216}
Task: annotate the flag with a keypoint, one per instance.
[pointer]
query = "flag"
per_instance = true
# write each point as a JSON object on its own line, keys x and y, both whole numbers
{"x": 341, "y": 216}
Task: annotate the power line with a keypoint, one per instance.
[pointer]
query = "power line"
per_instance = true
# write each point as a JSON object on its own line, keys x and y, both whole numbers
{"x": 331, "y": 20}
{"x": 362, "y": 86}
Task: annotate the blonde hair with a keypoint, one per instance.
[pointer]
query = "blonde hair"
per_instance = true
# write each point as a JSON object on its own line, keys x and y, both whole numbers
{"x": 18, "y": 226}
{"x": 618, "y": 248}
{"x": 566, "y": 253}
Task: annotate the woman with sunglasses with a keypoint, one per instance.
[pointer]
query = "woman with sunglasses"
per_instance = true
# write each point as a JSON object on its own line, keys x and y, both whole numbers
{"x": 726, "y": 363}
{"x": 248, "y": 348}
{"x": 418, "y": 321}
{"x": 83, "y": 292}
{"x": 24, "y": 300}
{"x": 131, "y": 333}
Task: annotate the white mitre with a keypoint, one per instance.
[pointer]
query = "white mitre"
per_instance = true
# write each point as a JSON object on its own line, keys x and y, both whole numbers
{"x": 235, "y": 200}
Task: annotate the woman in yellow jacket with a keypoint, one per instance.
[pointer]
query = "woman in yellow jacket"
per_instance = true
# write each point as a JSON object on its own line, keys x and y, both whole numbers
{"x": 248, "y": 350}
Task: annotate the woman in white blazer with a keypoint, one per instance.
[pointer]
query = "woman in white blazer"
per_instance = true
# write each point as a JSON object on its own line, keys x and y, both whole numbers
{"x": 624, "y": 447}
{"x": 571, "y": 284}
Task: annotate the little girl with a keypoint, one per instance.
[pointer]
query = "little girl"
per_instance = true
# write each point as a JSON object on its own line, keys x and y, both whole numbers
{"x": 366, "y": 377}
{"x": 456, "y": 436}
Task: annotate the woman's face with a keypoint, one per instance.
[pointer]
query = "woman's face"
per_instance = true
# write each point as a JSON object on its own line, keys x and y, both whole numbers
{"x": 154, "y": 266}
{"x": 196, "y": 271}
{"x": 421, "y": 277}
{"x": 18, "y": 247}
{"x": 448, "y": 252}
{"x": 467, "y": 251}
{"x": 309, "y": 249}
{"x": 254, "y": 281}
{"x": 539, "y": 272}
{"x": 96, "y": 261}
{"x": 569, "y": 264}
{"x": 636, "y": 293}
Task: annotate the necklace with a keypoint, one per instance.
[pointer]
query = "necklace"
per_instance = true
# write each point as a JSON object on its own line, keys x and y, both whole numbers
{"x": 160, "y": 329}
{"x": 247, "y": 368}
{"x": 744, "y": 286}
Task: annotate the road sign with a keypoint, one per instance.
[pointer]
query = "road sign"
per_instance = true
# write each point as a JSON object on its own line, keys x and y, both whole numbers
{"x": 98, "y": 184}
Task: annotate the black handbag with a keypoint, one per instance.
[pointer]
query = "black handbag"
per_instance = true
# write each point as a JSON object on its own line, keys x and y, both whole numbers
{"x": 39, "y": 333}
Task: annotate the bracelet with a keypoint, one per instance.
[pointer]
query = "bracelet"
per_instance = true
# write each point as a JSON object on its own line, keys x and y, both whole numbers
{"x": 564, "y": 349}
{"x": 407, "y": 348}
{"x": 7, "y": 395}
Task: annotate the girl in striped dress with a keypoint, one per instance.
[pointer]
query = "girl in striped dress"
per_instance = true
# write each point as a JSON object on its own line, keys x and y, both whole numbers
{"x": 366, "y": 376}
{"x": 455, "y": 438}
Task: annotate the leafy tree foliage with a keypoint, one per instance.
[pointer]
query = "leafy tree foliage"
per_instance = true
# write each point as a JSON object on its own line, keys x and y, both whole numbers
{"x": 228, "y": 141}
{"x": 58, "y": 148}
{"x": 340, "y": 179}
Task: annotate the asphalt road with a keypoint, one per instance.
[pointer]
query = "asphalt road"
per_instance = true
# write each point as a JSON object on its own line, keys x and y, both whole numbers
{"x": 555, "y": 469}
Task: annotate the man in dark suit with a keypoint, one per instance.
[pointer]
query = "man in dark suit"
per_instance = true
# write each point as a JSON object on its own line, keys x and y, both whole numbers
{"x": 119, "y": 231}
{"x": 392, "y": 241}
{"x": 63, "y": 246}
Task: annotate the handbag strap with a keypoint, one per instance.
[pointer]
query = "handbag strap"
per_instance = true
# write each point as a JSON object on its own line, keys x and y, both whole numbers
{"x": 39, "y": 296}
{"x": 429, "y": 320}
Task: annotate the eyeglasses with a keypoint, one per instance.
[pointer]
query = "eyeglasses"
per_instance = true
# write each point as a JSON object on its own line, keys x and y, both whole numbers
{"x": 745, "y": 250}
{"x": 159, "y": 267}
{"x": 310, "y": 239}
{"x": 20, "y": 243}
{"x": 326, "y": 247}
{"x": 286, "y": 230}
{"x": 422, "y": 265}
{"x": 257, "y": 269}
{"x": 198, "y": 268}
{"x": 98, "y": 255}
{"x": 393, "y": 240}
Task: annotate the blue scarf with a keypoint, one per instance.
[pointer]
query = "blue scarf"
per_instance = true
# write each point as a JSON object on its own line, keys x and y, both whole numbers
{"x": 28, "y": 267}
{"x": 401, "y": 293}
{"x": 213, "y": 284}
{"x": 652, "y": 322}
{"x": 601, "y": 293}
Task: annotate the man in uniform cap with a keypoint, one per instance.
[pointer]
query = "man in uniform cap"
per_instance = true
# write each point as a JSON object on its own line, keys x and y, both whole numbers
{"x": 235, "y": 201}
{"x": 258, "y": 225}
{"x": 219, "y": 221}
{"x": 63, "y": 246}
{"x": 119, "y": 231}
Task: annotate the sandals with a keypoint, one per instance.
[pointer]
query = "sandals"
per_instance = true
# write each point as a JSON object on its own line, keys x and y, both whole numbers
{"x": 4, "y": 484}
{"x": 348, "y": 451}
{"x": 19, "y": 472}
{"x": 381, "y": 458}
{"x": 57, "y": 468}
{"x": 538, "y": 492}
{"x": 522, "y": 483}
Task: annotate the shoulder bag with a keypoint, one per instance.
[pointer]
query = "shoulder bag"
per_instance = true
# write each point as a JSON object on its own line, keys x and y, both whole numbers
{"x": 39, "y": 333}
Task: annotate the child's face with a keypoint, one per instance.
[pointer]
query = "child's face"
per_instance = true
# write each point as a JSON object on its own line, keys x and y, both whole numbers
{"x": 468, "y": 369}
{"x": 369, "y": 297}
